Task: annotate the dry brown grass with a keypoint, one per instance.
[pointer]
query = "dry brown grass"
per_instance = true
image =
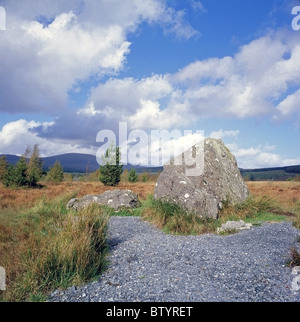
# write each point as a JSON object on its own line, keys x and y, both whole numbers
{"x": 13, "y": 203}
{"x": 286, "y": 194}
{"x": 17, "y": 226}
{"x": 16, "y": 199}
{"x": 48, "y": 247}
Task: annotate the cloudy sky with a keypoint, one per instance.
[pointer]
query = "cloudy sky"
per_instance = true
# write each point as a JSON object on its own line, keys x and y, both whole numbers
{"x": 230, "y": 68}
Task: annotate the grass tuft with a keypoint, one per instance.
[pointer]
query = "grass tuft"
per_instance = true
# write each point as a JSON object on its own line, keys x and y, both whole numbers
{"x": 297, "y": 215}
{"x": 56, "y": 248}
{"x": 175, "y": 220}
{"x": 255, "y": 207}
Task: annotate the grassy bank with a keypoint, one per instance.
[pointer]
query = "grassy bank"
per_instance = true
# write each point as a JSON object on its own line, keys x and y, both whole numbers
{"x": 48, "y": 247}
{"x": 172, "y": 219}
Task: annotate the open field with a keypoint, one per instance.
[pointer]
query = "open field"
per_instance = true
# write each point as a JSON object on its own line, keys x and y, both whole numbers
{"x": 286, "y": 193}
{"x": 26, "y": 198}
{"x": 30, "y": 217}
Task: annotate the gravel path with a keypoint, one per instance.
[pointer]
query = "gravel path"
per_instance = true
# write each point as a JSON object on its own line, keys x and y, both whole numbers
{"x": 148, "y": 266}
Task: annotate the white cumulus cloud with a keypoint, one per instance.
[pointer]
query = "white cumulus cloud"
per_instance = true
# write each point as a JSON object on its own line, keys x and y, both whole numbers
{"x": 51, "y": 46}
{"x": 16, "y": 136}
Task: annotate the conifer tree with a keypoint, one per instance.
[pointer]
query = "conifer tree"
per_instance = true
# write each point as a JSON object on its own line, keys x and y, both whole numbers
{"x": 25, "y": 173}
{"x": 56, "y": 173}
{"x": 111, "y": 170}
{"x": 144, "y": 177}
{"x": 19, "y": 177}
{"x": 133, "y": 177}
{"x": 3, "y": 168}
{"x": 9, "y": 176}
{"x": 35, "y": 167}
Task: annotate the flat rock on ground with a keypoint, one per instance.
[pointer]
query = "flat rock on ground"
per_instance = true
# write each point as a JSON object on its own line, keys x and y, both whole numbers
{"x": 116, "y": 199}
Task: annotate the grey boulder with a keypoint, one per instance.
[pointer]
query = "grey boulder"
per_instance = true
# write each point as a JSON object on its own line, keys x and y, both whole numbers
{"x": 116, "y": 199}
{"x": 203, "y": 187}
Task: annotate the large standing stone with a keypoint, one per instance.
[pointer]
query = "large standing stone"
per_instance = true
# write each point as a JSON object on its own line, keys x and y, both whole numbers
{"x": 202, "y": 192}
{"x": 116, "y": 199}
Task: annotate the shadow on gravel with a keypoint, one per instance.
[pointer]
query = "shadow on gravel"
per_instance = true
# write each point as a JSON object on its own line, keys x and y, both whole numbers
{"x": 113, "y": 243}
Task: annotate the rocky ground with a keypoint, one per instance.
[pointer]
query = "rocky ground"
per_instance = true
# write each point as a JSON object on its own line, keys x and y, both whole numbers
{"x": 148, "y": 266}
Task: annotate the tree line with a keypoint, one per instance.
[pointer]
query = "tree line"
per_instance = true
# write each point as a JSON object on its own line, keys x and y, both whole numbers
{"x": 29, "y": 171}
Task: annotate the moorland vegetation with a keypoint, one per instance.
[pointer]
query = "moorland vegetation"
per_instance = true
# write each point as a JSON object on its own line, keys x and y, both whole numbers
{"x": 45, "y": 246}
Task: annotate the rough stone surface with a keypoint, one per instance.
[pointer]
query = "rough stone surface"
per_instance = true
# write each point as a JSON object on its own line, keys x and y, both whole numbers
{"x": 202, "y": 192}
{"x": 116, "y": 199}
{"x": 234, "y": 225}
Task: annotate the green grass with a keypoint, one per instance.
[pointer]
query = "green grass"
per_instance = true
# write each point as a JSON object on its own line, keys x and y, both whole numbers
{"x": 173, "y": 219}
{"x": 265, "y": 217}
{"x": 51, "y": 247}
{"x": 262, "y": 208}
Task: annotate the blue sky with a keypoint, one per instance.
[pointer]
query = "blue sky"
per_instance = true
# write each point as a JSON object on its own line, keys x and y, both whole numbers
{"x": 72, "y": 68}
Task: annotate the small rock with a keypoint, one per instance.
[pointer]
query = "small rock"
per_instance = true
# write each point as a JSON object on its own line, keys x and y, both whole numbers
{"x": 296, "y": 270}
{"x": 234, "y": 225}
{"x": 116, "y": 199}
{"x": 72, "y": 289}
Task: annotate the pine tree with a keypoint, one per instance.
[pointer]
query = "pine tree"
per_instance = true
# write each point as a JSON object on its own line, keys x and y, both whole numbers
{"x": 111, "y": 170}
{"x": 133, "y": 177}
{"x": 3, "y": 168}
{"x": 19, "y": 177}
{"x": 56, "y": 173}
{"x": 9, "y": 177}
{"x": 144, "y": 177}
{"x": 35, "y": 167}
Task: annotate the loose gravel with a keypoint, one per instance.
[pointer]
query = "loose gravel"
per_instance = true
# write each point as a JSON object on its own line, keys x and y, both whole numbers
{"x": 147, "y": 265}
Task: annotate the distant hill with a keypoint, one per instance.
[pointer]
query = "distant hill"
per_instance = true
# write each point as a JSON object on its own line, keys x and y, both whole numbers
{"x": 78, "y": 163}
{"x": 73, "y": 162}
{"x": 81, "y": 163}
{"x": 276, "y": 174}
{"x": 11, "y": 159}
